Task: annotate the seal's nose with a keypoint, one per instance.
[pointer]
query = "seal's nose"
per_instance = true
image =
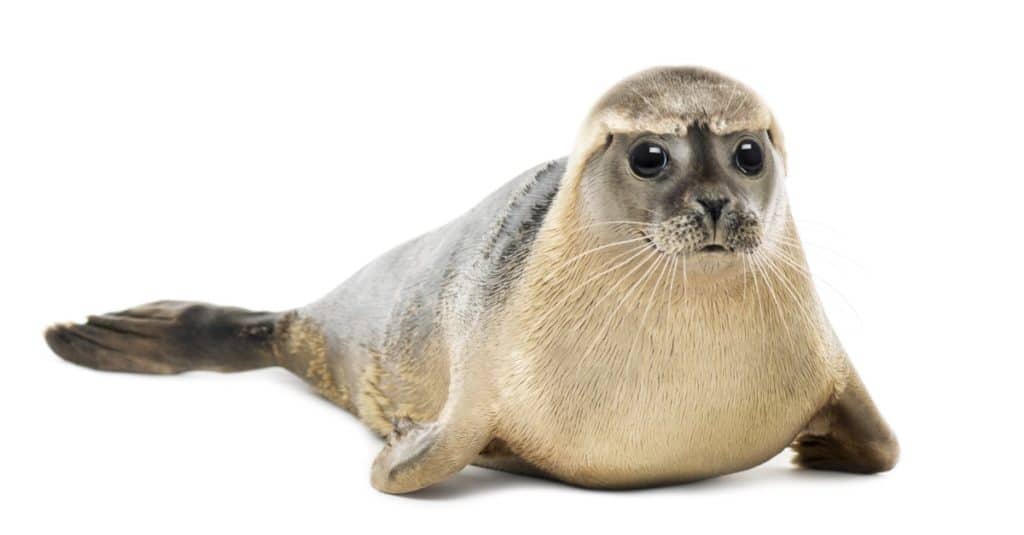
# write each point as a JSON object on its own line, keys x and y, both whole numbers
{"x": 713, "y": 207}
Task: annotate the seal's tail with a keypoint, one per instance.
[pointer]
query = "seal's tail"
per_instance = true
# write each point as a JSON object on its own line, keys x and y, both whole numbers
{"x": 171, "y": 337}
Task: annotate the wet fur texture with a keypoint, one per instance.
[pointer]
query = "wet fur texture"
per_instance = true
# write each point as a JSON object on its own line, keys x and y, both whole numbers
{"x": 522, "y": 337}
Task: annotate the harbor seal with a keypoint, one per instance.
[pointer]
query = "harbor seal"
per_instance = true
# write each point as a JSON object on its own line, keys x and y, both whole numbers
{"x": 639, "y": 313}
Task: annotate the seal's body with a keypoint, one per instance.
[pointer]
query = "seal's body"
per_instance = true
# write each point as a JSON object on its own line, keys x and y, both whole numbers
{"x": 639, "y": 313}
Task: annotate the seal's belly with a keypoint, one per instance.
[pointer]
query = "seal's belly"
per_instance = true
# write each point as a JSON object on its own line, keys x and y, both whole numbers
{"x": 663, "y": 418}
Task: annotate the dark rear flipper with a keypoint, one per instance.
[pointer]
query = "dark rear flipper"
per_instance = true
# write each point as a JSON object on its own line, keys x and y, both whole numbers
{"x": 170, "y": 337}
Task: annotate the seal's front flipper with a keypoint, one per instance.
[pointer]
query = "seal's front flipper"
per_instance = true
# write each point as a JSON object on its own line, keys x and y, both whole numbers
{"x": 849, "y": 435}
{"x": 418, "y": 455}
{"x": 170, "y": 337}
{"x": 423, "y": 454}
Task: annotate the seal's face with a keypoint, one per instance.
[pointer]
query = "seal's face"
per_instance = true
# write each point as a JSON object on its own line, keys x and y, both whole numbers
{"x": 707, "y": 197}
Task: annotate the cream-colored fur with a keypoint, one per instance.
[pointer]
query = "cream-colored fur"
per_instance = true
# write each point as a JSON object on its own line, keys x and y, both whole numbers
{"x": 618, "y": 379}
{"x": 672, "y": 381}
{"x": 640, "y": 375}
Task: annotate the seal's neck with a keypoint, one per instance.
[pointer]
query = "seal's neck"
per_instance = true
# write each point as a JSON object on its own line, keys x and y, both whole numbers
{"x": 576, "y": 281}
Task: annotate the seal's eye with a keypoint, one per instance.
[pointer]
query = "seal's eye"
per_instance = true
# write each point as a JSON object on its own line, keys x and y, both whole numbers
{"x": 648, "y": 159}
{"x": 749, "y": 157}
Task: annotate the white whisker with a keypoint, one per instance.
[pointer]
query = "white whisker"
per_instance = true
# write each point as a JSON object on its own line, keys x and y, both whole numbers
{"x": 568, "y": 262}
{"x": 622, "y": 301}
{"x": 650, "y": 304}
{"x": 610, "y": 291}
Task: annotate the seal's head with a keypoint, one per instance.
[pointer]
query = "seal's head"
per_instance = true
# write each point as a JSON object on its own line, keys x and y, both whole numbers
{"x": 685, "y": 158}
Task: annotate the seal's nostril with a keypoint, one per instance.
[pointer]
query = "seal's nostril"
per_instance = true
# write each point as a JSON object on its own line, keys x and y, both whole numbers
{"x": 713, "y": 207}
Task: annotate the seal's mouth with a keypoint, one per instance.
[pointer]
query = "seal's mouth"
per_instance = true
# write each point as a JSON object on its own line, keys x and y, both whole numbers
{"x": 711, "y": 248}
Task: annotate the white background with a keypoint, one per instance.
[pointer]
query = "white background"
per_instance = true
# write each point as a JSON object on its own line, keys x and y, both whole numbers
{"x": 257, "y": 153}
